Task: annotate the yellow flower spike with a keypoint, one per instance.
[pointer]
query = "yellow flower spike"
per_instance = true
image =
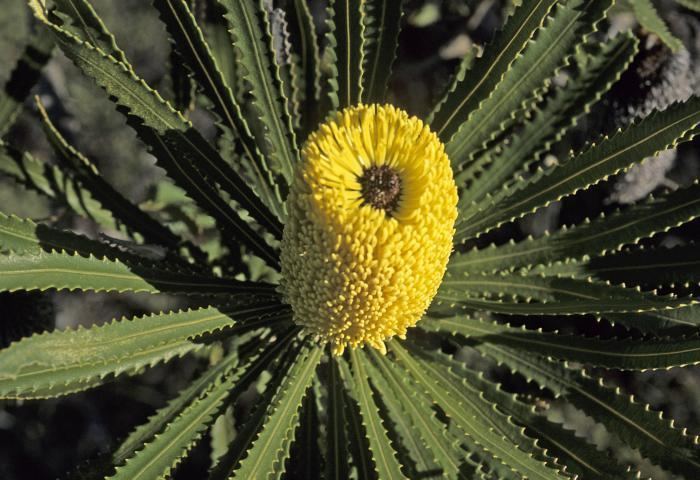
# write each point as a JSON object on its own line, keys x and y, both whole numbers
{"x": 371, "y": 218}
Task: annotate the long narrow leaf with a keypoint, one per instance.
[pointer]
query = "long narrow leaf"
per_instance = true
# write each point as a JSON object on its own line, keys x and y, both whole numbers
{"x": 249, "y": 26}
{"x": 659, "y": 131}
{"x": 63, "y": 362}
{"x": 382, "y": 24}
{"x": 192, "y": 46}
{"x": 182, "y": 151}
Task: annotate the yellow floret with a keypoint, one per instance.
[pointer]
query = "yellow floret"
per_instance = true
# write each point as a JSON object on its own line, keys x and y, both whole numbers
{"x": 353, "y": 273}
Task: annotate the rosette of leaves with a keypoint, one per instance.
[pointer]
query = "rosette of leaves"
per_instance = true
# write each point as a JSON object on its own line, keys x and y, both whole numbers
{"x": 417, "y": 411}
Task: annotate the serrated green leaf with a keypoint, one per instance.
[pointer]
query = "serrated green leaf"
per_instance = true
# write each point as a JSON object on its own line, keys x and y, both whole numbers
{"x": 652, "y": 322}
{"x": 604, "y": 234}
{"x": 24, "y": 237}
{"x": 51, "y": 182}
{"x": 429, "y": 431}
{"x": 192, "y": 46}
{"x": 650, "y": 20}
{"x": 595, "y": 73}
{"x": 488, "y": 70}
{"x": 345, "y": 38}
{"x": 290, "y": 70}
{"x": 81, "y": 19}
{"x": 571, "y": 23}
{"x": 384, "y": 458}
{"x": 382, "y": 25}
{"x": 181, "y": 150}
{"x": 268, "y": 452}
{"x": 648, "y": 268}
{"x": 121, "y": 208}
{"x": 659, "y": 131}
{"x": 165, "y": 415}
{"x": 626, "y": 354}
{"x": 475, "y": 417}
{"x": 198, "y": 407}
{"x": 306, "y": 45}
{"x": 250, "y": 29}
{"x": 64, "y": 271}
{"x": 583, "y": 458}
{"x": 24, "y": 76}
{"x": 174, "y": 429}
{"x": 635, "y": 423}
{"x": 63, "y": 362}
{"x": 532, "y": 295}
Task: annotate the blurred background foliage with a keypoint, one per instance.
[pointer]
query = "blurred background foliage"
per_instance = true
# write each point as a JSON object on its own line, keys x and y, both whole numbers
{"x": 49, "y": 439}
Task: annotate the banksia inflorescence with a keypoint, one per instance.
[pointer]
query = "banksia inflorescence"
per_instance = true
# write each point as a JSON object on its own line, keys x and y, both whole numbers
{"x": 359, "y": 250}
{"x": 371, "y": 217}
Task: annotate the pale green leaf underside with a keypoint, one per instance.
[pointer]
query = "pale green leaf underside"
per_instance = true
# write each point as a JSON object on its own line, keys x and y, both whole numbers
{"x": 63, "y": 362}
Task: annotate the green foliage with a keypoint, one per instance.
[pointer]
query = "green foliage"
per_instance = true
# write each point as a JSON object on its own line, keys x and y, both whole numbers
{"x": 418, "y": 411}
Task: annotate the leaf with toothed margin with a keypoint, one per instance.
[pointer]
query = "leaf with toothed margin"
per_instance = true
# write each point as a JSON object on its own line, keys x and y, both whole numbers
{"x": 624, "y": 354}
{"x": 187, "y": 157}
{"x": 189, "y": 41}
{"x": 305, "y": 43}
{"x": 634, "y": 423}
{"x": 382, "y": 25}
{"x": 648, "y": 268}
{"x": 89, "y": 178}
{"x": 63, "y": 271}
{"x": 458, "y": 372}
{"x": 345, "y": 40}
{"x": 595, "y": 72}
{"x": 385, "y": 463}
{"x": 154, "y": 449}
{"x": 267, "y": 453}
{"x": 337, "y": 463}
{"x": 592, "y": 237}
{"x": 538, "y": 295}
{"x": 570, "y": 24}
{"x": 51, "y": 182}
{"x": 63, "y": 362}
{"x": 290, "y": 69}
{"x": 475, "y": 416}
{"x": 80, "y": 18}
{"x": 249, "y": 25}
{"x": 412, "y": 453}
{"x": 651, "y": 21}
{"x": 24, "y": 237}
{"x": 157, "y": 457}
{"x": 430, "y": 433}
{"x": 637, "y": 425}
{"x": 686, "y": 318}
{"x": 24, "y": 76}
{"x": 581, "y": 457}
{"x": 659, "y": 131}
{"x": 488, "y": 70}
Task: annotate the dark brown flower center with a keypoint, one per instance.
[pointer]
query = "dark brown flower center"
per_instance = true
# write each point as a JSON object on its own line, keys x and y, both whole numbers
{"x": 381, "y": 187}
